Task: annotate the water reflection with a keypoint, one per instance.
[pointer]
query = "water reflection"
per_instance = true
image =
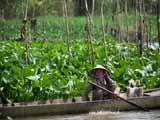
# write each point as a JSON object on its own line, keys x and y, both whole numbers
{"x": 152, "y": 115}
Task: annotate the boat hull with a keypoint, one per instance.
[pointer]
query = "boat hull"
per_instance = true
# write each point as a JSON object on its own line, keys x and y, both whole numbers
{"x": 22, "y": 110}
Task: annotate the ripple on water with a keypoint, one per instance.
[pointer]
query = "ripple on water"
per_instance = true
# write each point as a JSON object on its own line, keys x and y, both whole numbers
{"x": 136, "y": 115}
{"x": 103, "y": 115}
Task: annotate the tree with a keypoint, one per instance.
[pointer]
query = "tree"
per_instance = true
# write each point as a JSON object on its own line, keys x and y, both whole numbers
{"x": 80, "y": 7}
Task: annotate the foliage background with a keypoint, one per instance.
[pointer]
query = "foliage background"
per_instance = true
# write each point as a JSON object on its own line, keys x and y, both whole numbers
{"x": 47, "y": 74}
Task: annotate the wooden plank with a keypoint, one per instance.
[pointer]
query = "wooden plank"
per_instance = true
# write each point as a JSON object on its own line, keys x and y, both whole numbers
{"x": 151, "y": 90}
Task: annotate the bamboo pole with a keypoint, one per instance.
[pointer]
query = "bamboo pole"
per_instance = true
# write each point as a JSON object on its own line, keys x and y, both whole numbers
{"x": 24, "y": 32}
{"x": 92, "y": 18}
{"x": 118, "y": 34}
{"x": 3, "y": 33}
{"x": 33, "y": 24}
{"x": 93, "y": 7}
{"x": 136, "y": 24}
{"x": 65, "y": 9}
{"x": 113, "y": 14}
{"x": 150, "y": 24}
{"x": 141, "y": 28}
{"x": 126, "y": 16}
{"x": 103, "y": 28}
{"x": 158, "y": 21}
{"x": 145, "y": 25}
{"x": 26, "y": 53}
{"x": 26, "y": 10}
{"x": 22, "y": 8}
{"x": 27, "y": 45}
{"x": 24, "y": 35}
{"x": 44, "y": 23}
{"x": 89, "y": 26}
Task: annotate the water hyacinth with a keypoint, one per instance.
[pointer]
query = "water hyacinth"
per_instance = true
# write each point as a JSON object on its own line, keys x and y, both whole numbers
{"x": 47, "y": 75}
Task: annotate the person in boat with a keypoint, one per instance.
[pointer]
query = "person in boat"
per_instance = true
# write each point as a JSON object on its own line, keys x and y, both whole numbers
{"x": 102, "y": 78}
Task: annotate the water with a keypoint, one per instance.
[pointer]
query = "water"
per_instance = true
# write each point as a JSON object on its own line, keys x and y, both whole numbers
{"x": 136, "y": 115}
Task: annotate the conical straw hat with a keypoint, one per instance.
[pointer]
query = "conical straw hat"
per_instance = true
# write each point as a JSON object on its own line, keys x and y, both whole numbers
{"x": 99, "y": 67}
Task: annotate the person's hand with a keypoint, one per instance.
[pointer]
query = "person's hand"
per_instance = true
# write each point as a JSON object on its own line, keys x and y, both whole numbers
{"x": 117, "y": 91}
{"x": 106, "y": 76}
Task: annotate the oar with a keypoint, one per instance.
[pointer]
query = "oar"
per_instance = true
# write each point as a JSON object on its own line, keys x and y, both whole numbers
{"x": 131, "y": 103}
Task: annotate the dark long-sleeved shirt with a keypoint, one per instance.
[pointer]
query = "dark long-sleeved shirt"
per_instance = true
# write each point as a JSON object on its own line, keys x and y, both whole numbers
{"x": 97, "y": 93}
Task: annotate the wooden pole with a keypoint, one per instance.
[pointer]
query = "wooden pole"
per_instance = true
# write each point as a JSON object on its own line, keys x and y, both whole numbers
{"x": 136, "y": 25}
{"x": 67, "y": 29}
{"x": 150, "y": 24}
{"x": 118, "y": 33}
{"x": 89, "y": 27}
{"x": 103, "y": 29}
{"x": 131, "y": 103}
{"x": 93, "y": 7}
{"x": 33, "y": 24}
{"x": 92, "y": 18}
{"x": 126, "y": 16}
{"x": 26, "y": 10}
{"x": 44, "y": 22}
{"x": 3, "y": 33}
{"x": 22, "y": 8}
{"x": 141, "y": 29}
{"x": 26, "y": 53}
{"x": 145, "y": 25}
{"x": 158, "y": 21}
{"x": 24, "y": 32}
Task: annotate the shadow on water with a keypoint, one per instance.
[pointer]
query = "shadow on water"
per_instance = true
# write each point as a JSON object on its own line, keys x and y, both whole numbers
{"x": 130, "y": 115}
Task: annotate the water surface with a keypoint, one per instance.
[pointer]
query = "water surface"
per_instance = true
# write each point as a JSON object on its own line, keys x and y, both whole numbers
{"x": 136, "y": 115}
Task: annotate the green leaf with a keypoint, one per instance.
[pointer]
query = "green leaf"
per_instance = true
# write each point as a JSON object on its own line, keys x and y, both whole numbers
{"x": 35, "y": 77}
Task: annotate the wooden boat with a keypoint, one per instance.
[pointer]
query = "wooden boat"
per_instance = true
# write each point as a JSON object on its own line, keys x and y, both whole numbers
{"x": 77, "y": 106}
